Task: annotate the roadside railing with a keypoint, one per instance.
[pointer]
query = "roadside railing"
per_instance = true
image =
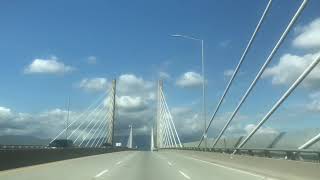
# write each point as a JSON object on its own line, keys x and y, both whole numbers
{"x": 307, "y": 155}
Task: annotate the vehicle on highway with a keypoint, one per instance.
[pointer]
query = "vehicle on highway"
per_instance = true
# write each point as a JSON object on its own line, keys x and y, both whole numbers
{"x": 61, "y": 143}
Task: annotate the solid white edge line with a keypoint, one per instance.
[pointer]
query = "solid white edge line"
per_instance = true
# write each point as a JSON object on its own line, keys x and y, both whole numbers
{"x": 229, "y": 168}
{"x": 185, "y": 175}
{"x": 102, "y": 173}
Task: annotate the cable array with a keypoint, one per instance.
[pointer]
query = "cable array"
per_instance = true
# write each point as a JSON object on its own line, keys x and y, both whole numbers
{"x": 278, "y": 103}
{"x": 94, "y": 127}
{"x": 167, "y": 135}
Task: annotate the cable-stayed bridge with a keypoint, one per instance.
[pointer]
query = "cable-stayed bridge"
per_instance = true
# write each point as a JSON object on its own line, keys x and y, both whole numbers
{"x": 94, "y": 127}
{"x": 93, "y": 133}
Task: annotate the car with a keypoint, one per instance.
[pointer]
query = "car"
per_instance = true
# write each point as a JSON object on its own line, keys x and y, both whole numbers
{"x": 61, "y": 143}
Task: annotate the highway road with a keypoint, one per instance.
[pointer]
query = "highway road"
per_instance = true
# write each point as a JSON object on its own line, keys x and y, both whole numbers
{"x": 134, "y": 165}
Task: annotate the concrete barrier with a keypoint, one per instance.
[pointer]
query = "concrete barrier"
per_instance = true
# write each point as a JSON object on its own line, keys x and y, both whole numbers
{"x": 276, "y": 168}
{"x": 14, "y": 158}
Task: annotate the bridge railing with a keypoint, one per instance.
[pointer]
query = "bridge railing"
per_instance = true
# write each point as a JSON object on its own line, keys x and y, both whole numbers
{"x": 288, "y": 154}
{"x": 23, "y": 147}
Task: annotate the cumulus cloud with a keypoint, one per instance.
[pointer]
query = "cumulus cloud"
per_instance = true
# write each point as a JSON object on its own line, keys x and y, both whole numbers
{"x": 43, "y": 125}
{"x": 4, "y": 112}
{"x": 290, "y": 67}
{"x": 135, "y": 103}
{"x": 135, "y": 100}
{"x": 263, "y": 130}
{"x": 314, "y": 105}
{"x": 48, "y": 124}
{"x": 47, "y": 66}
{"x": 94, "y": 84}
{"x": 189, "y": 79}
{"x": 309, "y": 35}
{"x": 187, "y": 121}
{"x": 131, "y": 84}
{"x": 129, "y": 103}
{"x": 238, "y": 129}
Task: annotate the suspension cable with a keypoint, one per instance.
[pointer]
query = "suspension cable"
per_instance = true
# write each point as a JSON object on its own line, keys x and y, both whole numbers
{"x": 174, "y": 127}
{"x": 264, "y": 66}
{"x": 281, "y": 100}
{"x": 249, "y": 45}
{"x": 91, "y": 106}
{"x": 75, "y": 130}
{"x": 86, "y": 127}
{"x": 94, "y": 127}
{"x": 168, "y": 121}
{"x": 96, "y": 130}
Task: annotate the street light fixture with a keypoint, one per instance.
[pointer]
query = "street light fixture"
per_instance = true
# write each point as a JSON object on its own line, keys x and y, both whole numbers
{"x": 203, "y": 82}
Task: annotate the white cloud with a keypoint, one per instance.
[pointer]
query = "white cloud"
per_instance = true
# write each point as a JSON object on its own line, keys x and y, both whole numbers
{"x": 47, "y": 66}
{"x": 48, "y": 124}
{"x": 190, "y": 79}
{"x": 131, "y": 103}
{"x": 187, "y": 121}
{"x": 228, "y": 72}
{"x": 4, "y": 112}
{"x": 290, "y": 67}
{"x": 262, "y": 130}
{"x": 314, "y": 106}
{"x": 92, "y": 60}
{"x": 43, "y": 125}
{"x": 94, "y": 84}
{"x": 135, "y": 103}
{"x": 309, "y": 36}
{"x": 238, "y": 129}
{"x": 131, "y": 84}
{"x": 164, "y": 75}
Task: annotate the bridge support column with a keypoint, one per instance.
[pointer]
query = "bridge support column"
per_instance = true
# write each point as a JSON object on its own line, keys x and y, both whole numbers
{"x": 158, "y": 132}
{"x": 110, "y": 139}
{"x": 129, "y": 145}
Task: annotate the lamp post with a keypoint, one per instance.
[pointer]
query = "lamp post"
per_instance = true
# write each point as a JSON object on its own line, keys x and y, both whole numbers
{"x": 203, "y": 83}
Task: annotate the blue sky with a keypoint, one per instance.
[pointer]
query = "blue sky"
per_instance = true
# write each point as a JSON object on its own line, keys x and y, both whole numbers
{"x": 132, "y": 38}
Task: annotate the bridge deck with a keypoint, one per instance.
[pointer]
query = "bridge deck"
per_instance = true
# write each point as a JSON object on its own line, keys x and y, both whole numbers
{"x": 178, "y": 165}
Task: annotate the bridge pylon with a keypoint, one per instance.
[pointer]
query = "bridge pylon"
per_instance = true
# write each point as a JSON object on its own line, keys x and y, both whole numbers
{"x": 166, "y": 133}
{"x": 110, "y": 139}
{"x": 129, "y": 144}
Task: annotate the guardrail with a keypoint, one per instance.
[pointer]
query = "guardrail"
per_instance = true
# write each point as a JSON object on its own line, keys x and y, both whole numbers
{"x": 19, "y": 156}
{"x": 26, "y": 147}
{"x": 289, "y": 154}
{"x": 23, "y": 147}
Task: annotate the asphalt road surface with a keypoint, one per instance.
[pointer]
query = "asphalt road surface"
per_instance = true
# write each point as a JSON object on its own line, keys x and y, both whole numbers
{"x": 133, "y": 165}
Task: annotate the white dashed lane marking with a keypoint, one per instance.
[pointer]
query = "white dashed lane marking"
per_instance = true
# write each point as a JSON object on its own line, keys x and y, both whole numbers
{"x": 101, "y": 173}
{"x": 184, "y": 174}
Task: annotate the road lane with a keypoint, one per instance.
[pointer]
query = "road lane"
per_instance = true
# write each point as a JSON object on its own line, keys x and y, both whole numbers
{"x": 198, "y": 169}
{"x": 145, "y": 166}
{"x": 134, "y": 165}
{"x": 73, "y": 169}
{"x": 276, "y": 168}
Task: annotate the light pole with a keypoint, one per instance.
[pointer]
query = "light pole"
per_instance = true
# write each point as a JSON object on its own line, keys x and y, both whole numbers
{"x": 203, "y": 84}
